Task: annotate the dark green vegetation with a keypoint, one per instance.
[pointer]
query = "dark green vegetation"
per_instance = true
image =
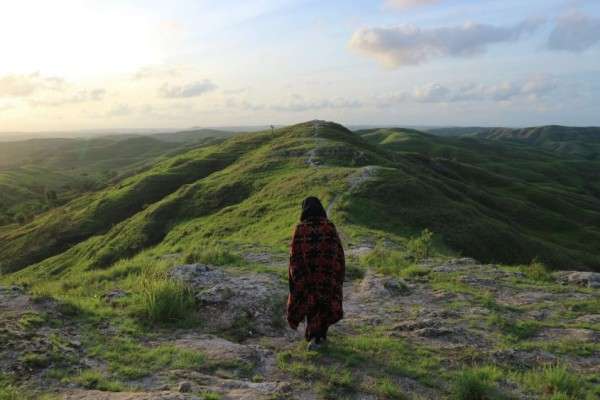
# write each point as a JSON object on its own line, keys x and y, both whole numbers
{"x": 491, "y": 200}
{"x": 39, "y": 174}
{"x": 573, "y": 141}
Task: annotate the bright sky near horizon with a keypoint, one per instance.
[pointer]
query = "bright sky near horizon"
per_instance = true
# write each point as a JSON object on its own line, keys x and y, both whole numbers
{"x": 95, "y": 64}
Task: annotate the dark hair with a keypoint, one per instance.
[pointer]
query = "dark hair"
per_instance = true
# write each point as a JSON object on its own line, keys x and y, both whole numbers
{"x": 312, "y": 208}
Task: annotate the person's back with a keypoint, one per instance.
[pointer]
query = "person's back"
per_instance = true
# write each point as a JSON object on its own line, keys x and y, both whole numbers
{"x": 316, "y": 273}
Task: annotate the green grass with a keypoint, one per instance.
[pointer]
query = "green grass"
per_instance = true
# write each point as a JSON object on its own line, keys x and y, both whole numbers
{"x": 339, "y": 369}
{"x": 476, "y": 384}
{"x": 211, "y": 254}
{"x": 129, "y": 360}
{"x": 165, "y": 301}
{"x": 91, "y": 379}
{"x": 537, "y": 271}
{"x": 555, "y": 382}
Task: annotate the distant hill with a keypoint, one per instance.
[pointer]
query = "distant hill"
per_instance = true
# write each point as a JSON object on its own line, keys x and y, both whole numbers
{"x": 493, "y": 200}
{"x": 194, "y": 135}
{"x": 33, "y": 172}
{"x": 572, "y": 141}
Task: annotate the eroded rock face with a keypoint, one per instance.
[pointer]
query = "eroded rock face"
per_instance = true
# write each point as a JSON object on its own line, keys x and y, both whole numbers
{"x": 454, "y": 265}
{"x": 586, "y": 279}
{"x": 376, "y": 287}
{"x": 248, "y": 304}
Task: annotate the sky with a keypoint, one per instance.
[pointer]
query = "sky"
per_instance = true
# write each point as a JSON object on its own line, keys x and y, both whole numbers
{"x": 125, "y": 64}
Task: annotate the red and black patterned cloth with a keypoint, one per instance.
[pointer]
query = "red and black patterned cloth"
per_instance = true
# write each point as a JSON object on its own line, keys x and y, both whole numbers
{"x": 316, "y": 276}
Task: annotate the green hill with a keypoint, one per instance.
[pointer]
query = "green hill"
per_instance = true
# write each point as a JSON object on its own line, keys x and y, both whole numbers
{"x": 38, "y": 174}
{"x": 171, "y": 282}
{"x": 572, "y": 141}
{"x": 494, "y": 201}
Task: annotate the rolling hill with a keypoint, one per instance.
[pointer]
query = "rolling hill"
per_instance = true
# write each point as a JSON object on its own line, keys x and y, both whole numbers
{"x": 572, "y": 141}
{"x": 170, "y": 282}
{"x": 38, "y": 174}
{"x": 494, "y": 201}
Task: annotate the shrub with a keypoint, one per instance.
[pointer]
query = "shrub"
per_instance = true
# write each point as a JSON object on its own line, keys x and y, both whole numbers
{"x": 165, "y": 300}
{"x": 421, "y": 246}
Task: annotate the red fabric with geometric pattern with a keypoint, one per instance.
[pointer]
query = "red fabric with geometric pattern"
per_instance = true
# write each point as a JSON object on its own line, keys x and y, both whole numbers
{"x": 316, "y": 276}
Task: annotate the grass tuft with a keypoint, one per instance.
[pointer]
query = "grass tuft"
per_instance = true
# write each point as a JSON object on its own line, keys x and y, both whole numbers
{"x": 555, "y": 382}
{"x": 537, "y": 271}
{"x": 166, "y": 301}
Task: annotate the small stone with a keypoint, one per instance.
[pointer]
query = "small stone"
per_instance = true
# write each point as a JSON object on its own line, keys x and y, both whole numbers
{"x": 185, "y": 387}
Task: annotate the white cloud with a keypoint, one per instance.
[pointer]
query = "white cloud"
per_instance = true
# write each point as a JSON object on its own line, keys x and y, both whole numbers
{"x": 403, "y": 4}
{"x": 157, "y": 72}
{"x": 82, "y": 96}
{"x": 298, "y": 103}
{"x": 189, "y": 90}
{"x": 410, "y": 45}
{"x": 27, "y": 85}
{"x": 119, "y": 110}
{"x": 575, "y": 32}
{"x": 531, "y": 89}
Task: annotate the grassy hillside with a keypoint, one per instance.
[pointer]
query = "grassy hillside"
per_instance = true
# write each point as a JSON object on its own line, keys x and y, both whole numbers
{"x": 177, "y": 274}
{"x": 496, "y": 202}
{"x": 37, "y": 175}
{"x": 572, "y": 141}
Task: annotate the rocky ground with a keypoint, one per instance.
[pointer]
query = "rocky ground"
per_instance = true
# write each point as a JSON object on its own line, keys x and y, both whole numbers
{"x": 402, "y": 338}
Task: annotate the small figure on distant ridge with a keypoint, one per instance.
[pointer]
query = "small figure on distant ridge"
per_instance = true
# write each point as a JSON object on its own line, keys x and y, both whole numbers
{"x": 316, "y": 274}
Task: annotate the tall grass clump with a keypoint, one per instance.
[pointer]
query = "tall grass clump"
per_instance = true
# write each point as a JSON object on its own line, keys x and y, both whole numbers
{"x": 421, "y": 246}
{"x": 476, "y": 384}
{"x": 7, "y": 390}
{"x": 537, "y": 271}
{"x": 556, "y": 382}
{"x": 165, "y": 300}
{"x": 211, "y": 254}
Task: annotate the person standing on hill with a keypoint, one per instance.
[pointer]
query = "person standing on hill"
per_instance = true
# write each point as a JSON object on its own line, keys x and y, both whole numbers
{"x": 316, "y": 274}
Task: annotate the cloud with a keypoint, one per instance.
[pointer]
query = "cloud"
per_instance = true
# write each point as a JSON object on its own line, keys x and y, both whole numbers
{"x": 574, "y": 32}
{"x": 403, "y": 4}
{"x": 4, "y": 107}
{"x": 298, "y": 104}
{"x": 119, "y": 110}
{"x": 189, "y": 90}
{"x": 27, "y": 85}
{"x": 531, "y": 89}
{"x": 157, "y": 72}
{"x": 82, "y": 96}
{"x": 410, "y": 45}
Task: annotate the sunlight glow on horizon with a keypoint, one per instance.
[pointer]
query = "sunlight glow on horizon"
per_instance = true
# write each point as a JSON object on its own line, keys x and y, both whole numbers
{"x": 86, "y": 64}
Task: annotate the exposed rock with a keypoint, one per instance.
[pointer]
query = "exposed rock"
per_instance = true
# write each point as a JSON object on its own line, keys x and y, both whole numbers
{"x": 589, "y": 319}
{"x": 581, "y": 335}
{"x": 98, "y": 395}
{"x": 375, "y": 286}
{"x": 522, "y": 359}
{"x": 261, "y": 258}
{"x": 185, "y": 387}
{"x": 248, "y": 303}
{"x": 359, "y": 249}
{"x": 455, "y": 265}
{"x": 586, "y": 279}
{"x": 114, "y": 295}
